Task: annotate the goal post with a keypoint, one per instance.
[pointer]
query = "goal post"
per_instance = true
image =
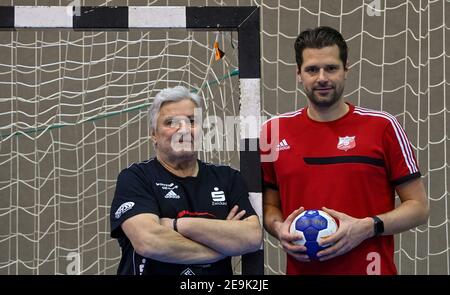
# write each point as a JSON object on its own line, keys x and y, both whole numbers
{"x": 242, "y": 19}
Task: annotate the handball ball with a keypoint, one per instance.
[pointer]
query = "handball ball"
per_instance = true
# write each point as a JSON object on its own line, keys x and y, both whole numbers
{"x": 314, "y": 224}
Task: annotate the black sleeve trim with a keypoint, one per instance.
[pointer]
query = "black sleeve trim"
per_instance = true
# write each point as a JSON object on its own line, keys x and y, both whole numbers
{"x": 406, "y": 178}
{"x": 270, "y": 185}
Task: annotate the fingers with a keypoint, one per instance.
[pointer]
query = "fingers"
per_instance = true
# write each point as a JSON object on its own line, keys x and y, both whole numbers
{"x": 292, "y": 248}
{"x": 300, "y": 257}
{"x": 331, "y": 239}
{"x": 336, "y": 241}
{"x": 334, "y": 213}
{"x": 337, "y": 249}
{"x": 296, "y": 251}
{"x": 349, "y": 235}
{"x": 294, "y": 214}
{"x": 232, "y": 212}
{"x": 287, "y": 238}
{"x": 290, "y": 237}
{"x": 341, "y": 243}
{"x": 284, "y": 233}
{"x": 239, "y": 215}
{"x": 330, "y": 249}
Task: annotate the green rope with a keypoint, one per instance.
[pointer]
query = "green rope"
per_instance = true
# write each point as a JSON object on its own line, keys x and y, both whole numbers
{"x": 234, "y": 72}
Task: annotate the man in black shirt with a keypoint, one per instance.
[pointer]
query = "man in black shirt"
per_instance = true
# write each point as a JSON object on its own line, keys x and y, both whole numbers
{"x": 175, "y": 214}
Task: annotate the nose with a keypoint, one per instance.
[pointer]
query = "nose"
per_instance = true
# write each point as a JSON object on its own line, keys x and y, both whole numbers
{"x": 322, "y": 75}
{"x": 183, "y": 126}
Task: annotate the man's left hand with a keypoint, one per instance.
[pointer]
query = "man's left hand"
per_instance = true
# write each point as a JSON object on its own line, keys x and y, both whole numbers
{"x": 351, "y": 232}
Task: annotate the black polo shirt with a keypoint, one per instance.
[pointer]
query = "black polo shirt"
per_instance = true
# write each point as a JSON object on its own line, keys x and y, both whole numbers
{"x": 147, "y": 187}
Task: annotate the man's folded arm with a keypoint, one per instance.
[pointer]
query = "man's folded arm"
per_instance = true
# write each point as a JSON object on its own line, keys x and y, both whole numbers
{"x": 150, "y": 239}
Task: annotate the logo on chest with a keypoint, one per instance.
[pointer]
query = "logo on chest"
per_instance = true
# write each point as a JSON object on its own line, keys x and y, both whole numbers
{"x": 171, "y": 195}
{"x": 170, "y": 187}
{"x": 218, "y": 197}
{"x": 166, "y": 186}
{"x": 346, "y": 143}
{"x": 282, "y": 146}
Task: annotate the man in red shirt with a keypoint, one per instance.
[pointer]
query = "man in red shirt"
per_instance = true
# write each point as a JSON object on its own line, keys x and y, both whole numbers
{"x": 345, "y": 160}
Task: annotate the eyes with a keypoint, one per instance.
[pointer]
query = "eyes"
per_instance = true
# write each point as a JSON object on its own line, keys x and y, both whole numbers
{"x": 328, "y": 69}
{"x": 178, "y": 122}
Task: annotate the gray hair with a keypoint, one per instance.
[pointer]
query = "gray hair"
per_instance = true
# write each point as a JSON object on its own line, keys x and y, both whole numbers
{"x": 173, "y": 94}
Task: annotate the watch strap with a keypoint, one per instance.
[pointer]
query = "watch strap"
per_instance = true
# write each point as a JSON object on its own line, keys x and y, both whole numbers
{"x": 378, "y": 226}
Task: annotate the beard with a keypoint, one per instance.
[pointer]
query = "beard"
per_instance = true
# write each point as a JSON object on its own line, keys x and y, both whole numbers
{"x": 180, "y": 147}
{"x": 178, "y": 153}
{"x": 183, "y": 156}
{"x": 325, "y": 101}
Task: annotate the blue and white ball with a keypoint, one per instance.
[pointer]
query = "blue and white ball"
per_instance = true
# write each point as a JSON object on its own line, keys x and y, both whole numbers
{"x": 313, "y": 224}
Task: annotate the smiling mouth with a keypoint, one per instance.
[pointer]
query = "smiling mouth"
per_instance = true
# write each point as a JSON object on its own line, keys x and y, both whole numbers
{"x": 324, "y": 92}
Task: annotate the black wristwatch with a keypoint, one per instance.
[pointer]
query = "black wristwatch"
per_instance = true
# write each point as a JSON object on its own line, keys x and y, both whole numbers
{"x": 378, "y": 226}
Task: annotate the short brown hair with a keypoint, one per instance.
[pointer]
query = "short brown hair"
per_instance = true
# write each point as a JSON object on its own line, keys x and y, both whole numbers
{"x": 318, "y": 38}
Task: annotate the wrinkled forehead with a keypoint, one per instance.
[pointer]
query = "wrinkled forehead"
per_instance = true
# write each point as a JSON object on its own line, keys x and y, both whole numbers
{"x": 182, "y": 108}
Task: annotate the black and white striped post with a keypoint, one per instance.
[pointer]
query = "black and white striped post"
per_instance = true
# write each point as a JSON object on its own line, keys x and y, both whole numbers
{"x": 243, "y": 19}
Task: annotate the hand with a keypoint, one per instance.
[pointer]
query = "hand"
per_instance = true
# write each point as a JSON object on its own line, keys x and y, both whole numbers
{"x": 286, "y": 238}
{"x": 351, "y": 232}
{"x": 234, "y": 214}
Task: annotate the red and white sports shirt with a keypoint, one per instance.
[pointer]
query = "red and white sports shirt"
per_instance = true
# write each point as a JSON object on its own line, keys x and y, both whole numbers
{"x": 350, "y": 165}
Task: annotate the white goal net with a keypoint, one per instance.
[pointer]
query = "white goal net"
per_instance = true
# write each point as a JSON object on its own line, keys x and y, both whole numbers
{"x": 399, "y": 62}
{"x": 73, "y": 114}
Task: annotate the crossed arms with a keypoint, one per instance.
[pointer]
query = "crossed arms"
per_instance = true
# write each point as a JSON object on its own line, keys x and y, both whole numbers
{"x": 198, "y": 240}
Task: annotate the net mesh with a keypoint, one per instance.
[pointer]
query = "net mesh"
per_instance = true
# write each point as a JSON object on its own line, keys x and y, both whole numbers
{"x": 398, "y": 56}
{"x": 73, "y": 112}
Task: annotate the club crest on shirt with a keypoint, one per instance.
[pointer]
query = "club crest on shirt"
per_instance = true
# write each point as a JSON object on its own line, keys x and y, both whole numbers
{"x": 346, "y": 143}
{"x": 218, "y": 197}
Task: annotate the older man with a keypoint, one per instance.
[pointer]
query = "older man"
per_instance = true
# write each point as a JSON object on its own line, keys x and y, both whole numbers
{"x": 175, "y": 214}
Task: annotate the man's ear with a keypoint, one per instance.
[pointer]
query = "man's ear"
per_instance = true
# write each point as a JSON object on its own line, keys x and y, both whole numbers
{"x": 153, "y": 136}
{"x": 346, "y": 70}
{"x": 299, "y": 78}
